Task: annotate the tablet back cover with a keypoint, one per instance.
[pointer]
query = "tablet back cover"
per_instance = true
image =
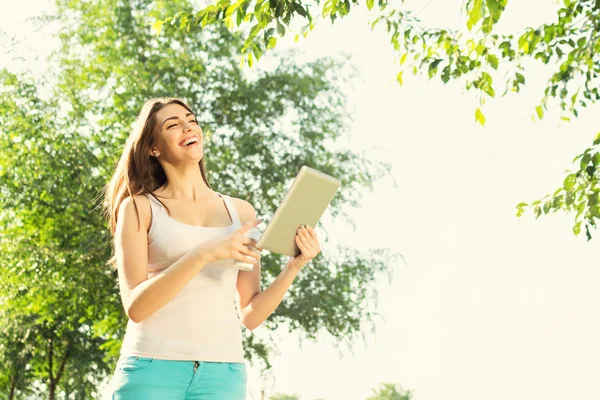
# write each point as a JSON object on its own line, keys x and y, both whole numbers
{"x": 305, "y": 202}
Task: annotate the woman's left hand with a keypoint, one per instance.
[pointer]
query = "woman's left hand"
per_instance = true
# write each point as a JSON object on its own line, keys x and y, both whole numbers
{"x": 308, "y": 243}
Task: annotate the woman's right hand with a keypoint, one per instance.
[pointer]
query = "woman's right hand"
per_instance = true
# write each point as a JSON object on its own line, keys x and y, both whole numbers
{"x": 235, "y": 245}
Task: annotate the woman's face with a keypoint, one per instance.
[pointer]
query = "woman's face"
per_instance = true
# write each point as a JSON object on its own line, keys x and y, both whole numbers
{"x": 178, "y": 136}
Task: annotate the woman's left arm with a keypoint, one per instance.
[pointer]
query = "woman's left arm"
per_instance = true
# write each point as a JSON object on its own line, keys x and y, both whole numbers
{"x": 255, "y": 305}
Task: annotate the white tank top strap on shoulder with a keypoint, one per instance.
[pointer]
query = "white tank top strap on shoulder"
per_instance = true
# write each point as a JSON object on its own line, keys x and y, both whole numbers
{"x": 155, "y": 206}
{"x": 232, "y": 210}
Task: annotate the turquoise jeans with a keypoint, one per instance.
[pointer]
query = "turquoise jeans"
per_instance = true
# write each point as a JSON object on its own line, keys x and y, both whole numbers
{"x": 138, "y": 378}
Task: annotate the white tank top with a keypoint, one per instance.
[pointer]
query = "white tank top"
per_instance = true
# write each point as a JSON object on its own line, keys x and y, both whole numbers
{"x": 201, "y": 322}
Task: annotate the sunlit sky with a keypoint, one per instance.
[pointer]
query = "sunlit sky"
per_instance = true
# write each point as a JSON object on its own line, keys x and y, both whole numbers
{"x": 486, "y": 306}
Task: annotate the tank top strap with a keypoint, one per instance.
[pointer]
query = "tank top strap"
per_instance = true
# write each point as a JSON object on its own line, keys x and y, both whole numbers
{"x": 231, "y": 208}
{"x": 155, "y": 205}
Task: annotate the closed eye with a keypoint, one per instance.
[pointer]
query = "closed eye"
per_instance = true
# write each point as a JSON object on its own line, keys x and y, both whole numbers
{"x": 196, "y": 122}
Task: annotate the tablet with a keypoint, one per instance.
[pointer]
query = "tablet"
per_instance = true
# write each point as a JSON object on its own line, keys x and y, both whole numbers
{"x": 305, "y": 202}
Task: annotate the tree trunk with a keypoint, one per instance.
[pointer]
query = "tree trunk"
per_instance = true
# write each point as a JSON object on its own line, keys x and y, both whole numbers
{"x": 53, "y": 381}
{"x": 13, "y": 384}
{"x": 51, "y": 391}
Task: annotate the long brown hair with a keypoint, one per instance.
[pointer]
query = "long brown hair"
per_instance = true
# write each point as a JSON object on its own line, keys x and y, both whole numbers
{"x": 137, "y": 172}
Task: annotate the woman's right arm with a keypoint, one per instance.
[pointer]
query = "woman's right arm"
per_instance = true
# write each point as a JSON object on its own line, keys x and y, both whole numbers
{"x": 141, "y": 296}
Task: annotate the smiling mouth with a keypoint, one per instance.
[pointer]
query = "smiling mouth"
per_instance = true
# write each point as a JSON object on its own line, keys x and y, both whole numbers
{"x": 194, "y": 141}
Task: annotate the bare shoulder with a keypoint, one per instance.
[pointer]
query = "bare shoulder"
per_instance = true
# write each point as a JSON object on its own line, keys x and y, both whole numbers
{"x": 245, "y": 210}
{"x": 143, "y": 207}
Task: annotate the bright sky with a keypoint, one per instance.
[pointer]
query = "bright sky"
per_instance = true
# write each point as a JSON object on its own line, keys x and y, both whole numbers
{"x": 486, "y": 306}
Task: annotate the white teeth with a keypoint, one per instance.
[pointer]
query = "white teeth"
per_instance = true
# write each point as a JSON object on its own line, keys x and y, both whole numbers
{"x": 190, "y": 140}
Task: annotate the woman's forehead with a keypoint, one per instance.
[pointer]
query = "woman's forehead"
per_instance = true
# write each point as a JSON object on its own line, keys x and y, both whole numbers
{"x": 171, "y": 110}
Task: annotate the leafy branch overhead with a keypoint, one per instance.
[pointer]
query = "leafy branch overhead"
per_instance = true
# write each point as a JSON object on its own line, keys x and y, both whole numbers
{"x": 489, "y": 64}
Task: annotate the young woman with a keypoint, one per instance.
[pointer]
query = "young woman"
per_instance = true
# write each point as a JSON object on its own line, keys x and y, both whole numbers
{"x": 176, "y": 242}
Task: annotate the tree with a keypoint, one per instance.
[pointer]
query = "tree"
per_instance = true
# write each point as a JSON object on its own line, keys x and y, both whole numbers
{"x": 53, "y": 285}
{"x": 390, "y": 391}
{"x": 56, "y": 154}
{"x": 475, "y": 57}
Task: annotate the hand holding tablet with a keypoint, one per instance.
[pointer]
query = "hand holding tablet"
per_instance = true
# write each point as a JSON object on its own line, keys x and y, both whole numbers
{"x": 305, "y": 202}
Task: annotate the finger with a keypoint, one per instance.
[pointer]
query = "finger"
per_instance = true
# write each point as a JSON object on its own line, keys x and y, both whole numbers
{"x": 250, "y": 224}
{"x": 306, "y": 246}
{"x": 312, "y": 232}
{"x": 306, "y": 237}
{"x": 246, "y": 250}
{"x": 300, "y": 244}
{"x": 253, "y": 258}
{"x": 253, "y": 248}
{"x": 249, "y": 241}
{"x": 245, "y": 258}
{"x": 254, "y": 253}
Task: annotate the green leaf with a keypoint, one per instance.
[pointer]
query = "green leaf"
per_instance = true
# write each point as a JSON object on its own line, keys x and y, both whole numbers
{"x": 577, "y": 228}
{"x": 299, "y": 9}
{"x": 445, "y": 74}
{"x": 183, "y": 22}
{"x": 475, "y": 14}
{"x": 399, "y": 77}
{"x": 495, "y": 9}
{"x": 585, "y": 160}
{"x": 569, "y": 182}
{"x": 540, "y": 112}
{"x": 492, "y": 60}
{"x": 479, "y": 117}
{"x": 597, "y": 138}
{"x": 546, "y": 206}
{"x": 257, "y": 51}
{"x": 254, "y": 30}
{"x": 569, "y": 198}
{"x": 590, "y": 170}
{"x": 521, "y": 209}
{"x": 304, "y": 30}
{"x": 580, "y": 209}
{"x": 370, "y": 4}
{"x": 489, "y": 90}
{"x": 157, "y": 27}
{"x": 280, "y": 29}
{"x": 520, "y": 78}
{"x": 403, "y": 60}
{"x": 239, "y": 16}
{"x": 433, "y": 67}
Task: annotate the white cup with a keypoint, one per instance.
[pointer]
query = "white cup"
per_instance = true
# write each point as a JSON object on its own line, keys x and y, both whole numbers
{"x": 254, "y": 234}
